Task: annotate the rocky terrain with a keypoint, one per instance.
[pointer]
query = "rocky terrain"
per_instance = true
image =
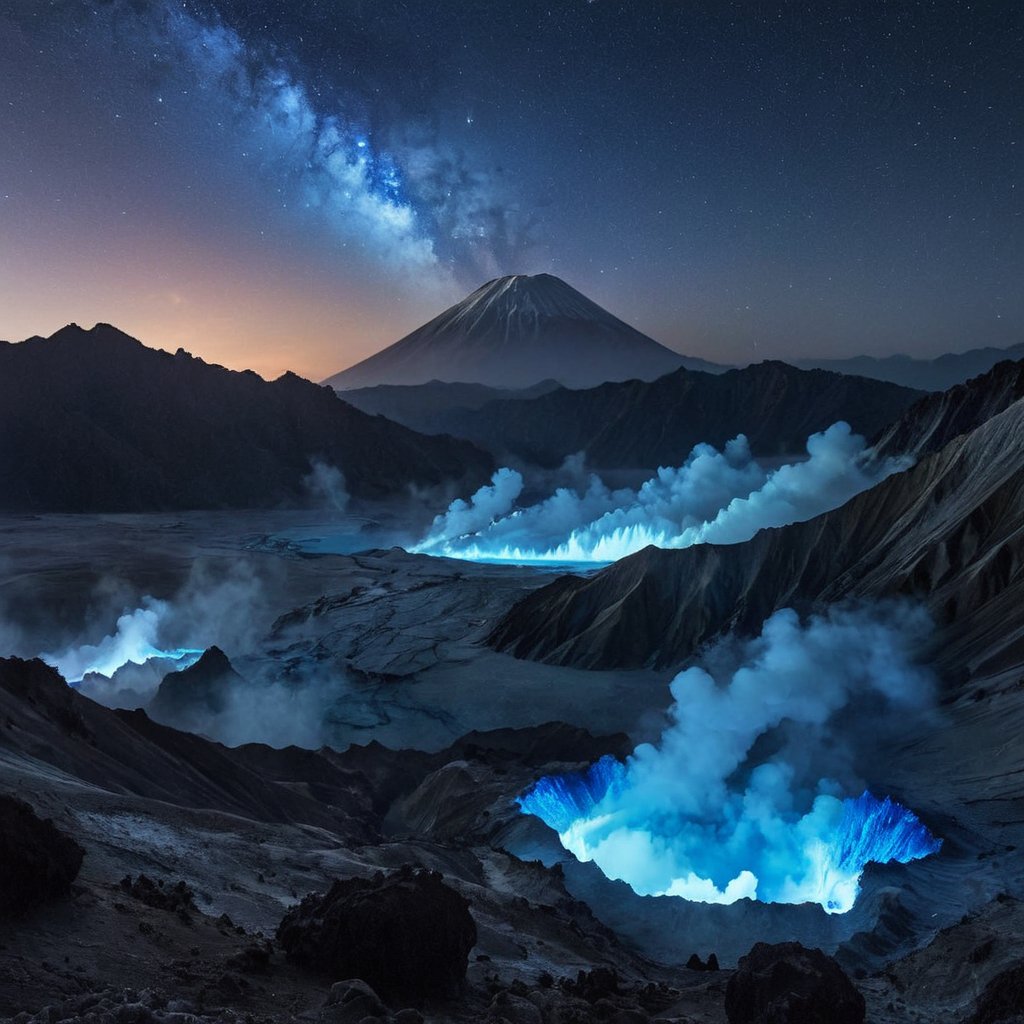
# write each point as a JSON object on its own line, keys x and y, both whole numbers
{"x": 188, "y": 902}
{"x": 170, "y": 867}
{"x": 95, "y": 421}
{"x": 947, "y": 529}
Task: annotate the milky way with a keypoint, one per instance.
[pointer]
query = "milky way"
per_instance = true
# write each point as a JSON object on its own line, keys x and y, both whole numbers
{"x": 296, "y": 185}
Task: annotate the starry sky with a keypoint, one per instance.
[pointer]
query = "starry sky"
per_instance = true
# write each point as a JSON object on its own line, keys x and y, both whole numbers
{"x": 278, "y": 184}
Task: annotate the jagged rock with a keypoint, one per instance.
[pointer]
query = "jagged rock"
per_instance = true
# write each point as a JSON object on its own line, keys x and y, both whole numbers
{"x": 406, "y": 934}
{"x": 177, "y": 898}
{"x": 408, "y": 1016}
{"x": 790, "y": 984}
{"x": 254, "y": 959}
{"x": 594, "y": 985}
{"x": 39, "y": 862}
{"x": 1002, "y": 1001}
{"x": 186, "y": 699}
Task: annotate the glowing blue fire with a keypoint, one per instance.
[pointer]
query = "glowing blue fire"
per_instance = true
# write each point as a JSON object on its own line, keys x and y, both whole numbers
{"x": 181, "y": 657}
{"x": 134, "y": 641}
{"x": 716, "y": 496}
{"x": 815, "y": 857}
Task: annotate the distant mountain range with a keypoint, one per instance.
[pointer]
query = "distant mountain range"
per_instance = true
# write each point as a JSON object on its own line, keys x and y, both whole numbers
{"x": 514, "y": 332}
{"x": 646, "y": 424}
{"x": 924, "y": 374}
{"x": 95, "y": 421}
{"x": 433, "y": 407}
{"x": 947, "y": 531}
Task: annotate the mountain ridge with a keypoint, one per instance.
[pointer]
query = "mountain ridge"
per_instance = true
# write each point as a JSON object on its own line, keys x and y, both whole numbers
{"x": 635, "y": 423}
{"x": 947, "y": 530}
{"x": 938, "y": 374}
{"x": 94, "y": 420}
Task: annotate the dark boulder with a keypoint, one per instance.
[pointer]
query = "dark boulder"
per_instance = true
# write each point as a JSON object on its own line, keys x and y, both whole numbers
{"x": 351, "y": 1001}
{"x": 789, "y": 984}
{"x": 406, "y": 934}
{"x": 1002, "y": 1001}
{"x": 696, "y": 964}
{"x": 599, "y": 983}
{"x": 39, "y": 861}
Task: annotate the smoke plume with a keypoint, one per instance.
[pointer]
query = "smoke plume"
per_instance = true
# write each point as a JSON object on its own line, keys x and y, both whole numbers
{"x": 720, "y": 497}
{"x": 119, "y": 657}
{"x": 326, "y": 486}
{"x": 752, "y": 789}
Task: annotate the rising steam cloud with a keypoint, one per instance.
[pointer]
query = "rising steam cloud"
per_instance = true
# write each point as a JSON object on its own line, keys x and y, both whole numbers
{"x": 719, "y": 497}
{"x": 752, "y": 789}
{"x": 133, "y": 641}
{"x": 119, "y": 658}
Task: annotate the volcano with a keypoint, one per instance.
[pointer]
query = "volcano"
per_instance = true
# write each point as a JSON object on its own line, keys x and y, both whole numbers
{"x": 514, "y": 332}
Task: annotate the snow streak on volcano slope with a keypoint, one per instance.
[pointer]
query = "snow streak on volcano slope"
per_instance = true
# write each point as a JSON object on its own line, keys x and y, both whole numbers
{"x": 514, "y": 332}
{"x": 715, "y": 496}
{"x": 951, "y": 529}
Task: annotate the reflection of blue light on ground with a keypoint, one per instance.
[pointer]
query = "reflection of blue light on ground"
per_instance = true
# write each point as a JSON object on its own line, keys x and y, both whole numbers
{"x": 827, "y": 853}
{"x": 540, "y": 564}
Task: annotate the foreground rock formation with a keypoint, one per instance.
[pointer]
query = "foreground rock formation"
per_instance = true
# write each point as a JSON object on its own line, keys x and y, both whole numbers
{"x": 788, "y": 984}
{"x": 39, "y": 862}
{"x": 407, "y": 934}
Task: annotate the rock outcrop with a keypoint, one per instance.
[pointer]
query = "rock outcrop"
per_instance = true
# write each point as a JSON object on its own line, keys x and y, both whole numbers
{"x": 947, "y": 531}
{"x": 38, "y": 862}
{"x": 790, "y": 984}
{"x": 406, "y": 934}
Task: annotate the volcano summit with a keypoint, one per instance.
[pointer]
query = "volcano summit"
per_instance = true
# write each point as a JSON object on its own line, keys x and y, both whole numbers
{"x": 514, "y": 332}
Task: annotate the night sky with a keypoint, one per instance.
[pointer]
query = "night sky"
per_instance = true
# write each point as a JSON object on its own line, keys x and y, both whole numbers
{"x": 293, "y": 185}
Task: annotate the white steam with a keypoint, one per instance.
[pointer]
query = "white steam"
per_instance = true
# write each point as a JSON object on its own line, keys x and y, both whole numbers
{"x": 264, "y": 707}
{"x": 120, "y": 660}
{"x": 720, "y": 497}
{"x": 133, "y": 641}
{"x": 326, "y": 485}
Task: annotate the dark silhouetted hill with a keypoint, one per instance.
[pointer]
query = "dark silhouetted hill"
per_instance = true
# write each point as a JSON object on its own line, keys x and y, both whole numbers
{"x": 648, "y": 424}
{"x": 95, "y": 421}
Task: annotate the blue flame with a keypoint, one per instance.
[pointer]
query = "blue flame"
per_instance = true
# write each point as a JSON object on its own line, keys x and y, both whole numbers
{"x": 873, "y": 831}
{"x": 562, "y": 800}
{"x": 827, "y": 852}
{"x": 182, "y": 657}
